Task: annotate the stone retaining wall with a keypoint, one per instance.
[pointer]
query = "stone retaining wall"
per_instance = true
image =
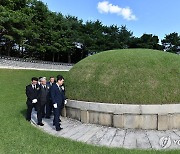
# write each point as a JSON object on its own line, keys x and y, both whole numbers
{"x": 155, "y": 117}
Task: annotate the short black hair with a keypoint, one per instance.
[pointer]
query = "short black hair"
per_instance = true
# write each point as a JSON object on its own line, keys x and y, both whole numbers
{"x": 51, "y": 77}
{"x": 60, "y": 77}
{"x": 34, "y": 79}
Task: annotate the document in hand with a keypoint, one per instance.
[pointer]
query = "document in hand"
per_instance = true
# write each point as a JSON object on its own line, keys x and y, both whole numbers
{"x": 34, "y": 101}
{"x": 55, "y": 105}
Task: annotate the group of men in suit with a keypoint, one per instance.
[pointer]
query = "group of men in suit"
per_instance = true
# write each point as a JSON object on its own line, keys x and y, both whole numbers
{"x": 46, "y": 97}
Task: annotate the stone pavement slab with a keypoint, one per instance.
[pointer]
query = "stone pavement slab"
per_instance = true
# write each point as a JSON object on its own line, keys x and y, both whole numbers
{"x": 111, "y": 137}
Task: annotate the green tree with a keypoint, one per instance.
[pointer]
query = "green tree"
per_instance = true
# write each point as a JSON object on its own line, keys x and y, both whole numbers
{"x": 72, "y": 35}
{"x": 12, "y": 27}
{"x": 148, "y": 41}
{"x": 171, "y": 42}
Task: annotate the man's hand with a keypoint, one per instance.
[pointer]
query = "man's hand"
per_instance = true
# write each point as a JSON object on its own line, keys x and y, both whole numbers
{"x": 55, "y": 106}
{"x": 34, "y": 101}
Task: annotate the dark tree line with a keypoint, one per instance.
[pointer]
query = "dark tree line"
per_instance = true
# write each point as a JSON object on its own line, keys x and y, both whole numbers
{"x": 28, "y": 29}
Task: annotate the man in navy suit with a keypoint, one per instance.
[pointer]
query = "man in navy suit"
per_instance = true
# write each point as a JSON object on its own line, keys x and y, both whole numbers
{"x": 32, "y": 92}
{"x": 57, "y": 96}
{"x": 49, "y": 105}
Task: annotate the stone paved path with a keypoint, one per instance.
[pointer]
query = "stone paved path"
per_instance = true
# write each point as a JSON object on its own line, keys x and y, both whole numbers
{"x": 111, "y": 137}
{"x": 13, "y": 64}
{"x": 30, "y": 68}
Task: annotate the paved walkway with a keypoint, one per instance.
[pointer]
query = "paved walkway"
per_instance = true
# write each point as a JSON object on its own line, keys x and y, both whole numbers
{"x": 12, "y": 64}
{"x": 28, "y": 68}
{"x": 112, "y": 137}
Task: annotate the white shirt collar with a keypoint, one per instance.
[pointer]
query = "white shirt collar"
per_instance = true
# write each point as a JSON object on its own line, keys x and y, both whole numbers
{"x": 44, "y": 86}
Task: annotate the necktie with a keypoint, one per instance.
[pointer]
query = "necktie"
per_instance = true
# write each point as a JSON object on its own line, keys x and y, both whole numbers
{"x": 60, "y": 88}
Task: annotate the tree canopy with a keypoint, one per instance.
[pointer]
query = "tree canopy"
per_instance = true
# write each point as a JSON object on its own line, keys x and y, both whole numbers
{"x": 29, "y": 29}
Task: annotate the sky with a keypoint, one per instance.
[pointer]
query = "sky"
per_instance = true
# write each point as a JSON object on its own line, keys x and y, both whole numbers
{"x": 157, "y": 17}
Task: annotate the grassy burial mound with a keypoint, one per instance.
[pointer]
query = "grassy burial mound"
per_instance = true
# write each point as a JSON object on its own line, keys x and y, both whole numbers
{"x": 133, "y": 76}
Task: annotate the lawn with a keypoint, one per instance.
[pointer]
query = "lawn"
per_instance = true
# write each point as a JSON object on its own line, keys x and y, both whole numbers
{"x": 18, "y": 136}
{"x": 129, "y": 76}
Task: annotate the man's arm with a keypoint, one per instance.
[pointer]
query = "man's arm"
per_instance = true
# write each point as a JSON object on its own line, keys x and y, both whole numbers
{"x": 29, "y": 94}
{"x": 52, "y": 93}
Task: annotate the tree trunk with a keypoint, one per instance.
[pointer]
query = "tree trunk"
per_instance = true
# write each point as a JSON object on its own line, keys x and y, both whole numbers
{"x": 22, "y": 52}
{"x": 69, "y": 57}
{"x": 82, "y": 53}
{"x": 53, "y": 56}
{"x": 8, "y": 49}
{"x": 58, "y": 58}
{"x": 19, "y": 48}
{"x": 43, "y": 56}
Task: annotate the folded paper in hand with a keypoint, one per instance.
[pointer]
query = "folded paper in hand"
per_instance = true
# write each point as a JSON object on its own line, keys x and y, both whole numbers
{"x": 55, "y": 106}
{"x": 34, "y": 101}
{"x": 65, "y": 102}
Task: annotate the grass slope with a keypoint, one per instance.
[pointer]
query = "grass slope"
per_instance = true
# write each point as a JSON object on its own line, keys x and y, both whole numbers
{"x": 129, "y": 76}
{"x": 19, "y": 137}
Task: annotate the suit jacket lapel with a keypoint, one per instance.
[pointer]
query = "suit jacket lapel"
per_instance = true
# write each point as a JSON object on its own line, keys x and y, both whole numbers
{"x": 60, "y": 90}
{"x": 32, "y": 88}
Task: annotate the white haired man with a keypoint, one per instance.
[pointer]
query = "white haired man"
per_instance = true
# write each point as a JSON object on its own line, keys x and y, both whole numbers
{"x": 43, "y": 99}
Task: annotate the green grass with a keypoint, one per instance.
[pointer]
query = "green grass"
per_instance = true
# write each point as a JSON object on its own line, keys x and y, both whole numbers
{"x": 130, "y": 76}
{"x": 17, "y": 136}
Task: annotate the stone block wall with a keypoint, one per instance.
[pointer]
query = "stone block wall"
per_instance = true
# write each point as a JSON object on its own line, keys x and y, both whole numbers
{"x": 153, "y": 117}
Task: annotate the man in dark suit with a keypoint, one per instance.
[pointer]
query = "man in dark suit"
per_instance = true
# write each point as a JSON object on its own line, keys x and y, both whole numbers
{"x": 43, "y": 99}
{"x": 51, "y": 81}
{"x": 57, "y": 96}
{"x": 65, "y": 101}
{"x": 32, "y": 91}
{"x": 49, "y": 105}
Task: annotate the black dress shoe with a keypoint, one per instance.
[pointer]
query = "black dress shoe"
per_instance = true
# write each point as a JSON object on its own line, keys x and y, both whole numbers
{"x": 40, "y": 124}
{"x": 58, "y": 129}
